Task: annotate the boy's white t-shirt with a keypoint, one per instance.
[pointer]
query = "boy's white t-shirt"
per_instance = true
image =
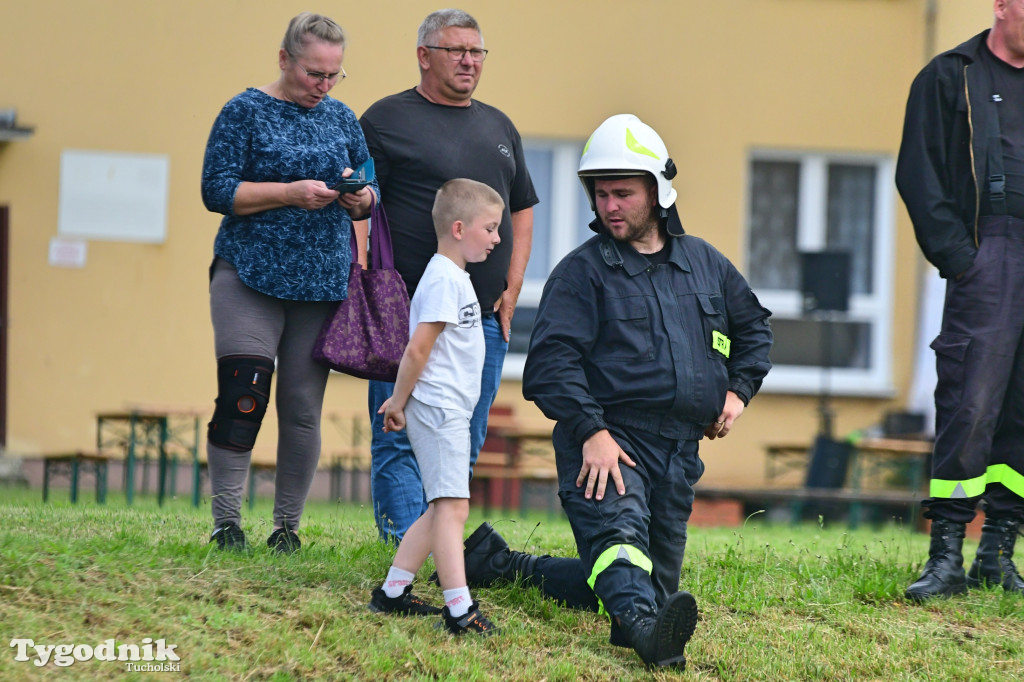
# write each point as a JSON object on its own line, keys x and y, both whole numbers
{"x": 451, "y": 377}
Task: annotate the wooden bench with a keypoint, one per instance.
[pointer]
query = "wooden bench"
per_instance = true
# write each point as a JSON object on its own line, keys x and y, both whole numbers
{"x": 514, "y": 459}
{"x": 881, "y": 472}
{"x": 158, "y": 434}
{"x": 854, "y": 500}
{"x": 73, "y": 465}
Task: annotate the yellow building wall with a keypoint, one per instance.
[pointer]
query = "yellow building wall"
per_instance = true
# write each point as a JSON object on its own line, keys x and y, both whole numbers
{"x": 715, "y": 79}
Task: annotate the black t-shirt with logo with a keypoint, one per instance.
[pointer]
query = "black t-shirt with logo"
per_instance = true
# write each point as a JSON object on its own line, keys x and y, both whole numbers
{"x": 417, "y": 146}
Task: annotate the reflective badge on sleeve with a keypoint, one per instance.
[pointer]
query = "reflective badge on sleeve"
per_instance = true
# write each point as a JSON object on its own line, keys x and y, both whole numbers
{"x": 720, "y": 342}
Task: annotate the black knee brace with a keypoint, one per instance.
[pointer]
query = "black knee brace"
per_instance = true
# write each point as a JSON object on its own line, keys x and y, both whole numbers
{"x": 243, "y": 393}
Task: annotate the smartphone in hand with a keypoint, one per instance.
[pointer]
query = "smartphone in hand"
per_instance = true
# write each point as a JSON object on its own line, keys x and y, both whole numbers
{"x": 360, "y": 178}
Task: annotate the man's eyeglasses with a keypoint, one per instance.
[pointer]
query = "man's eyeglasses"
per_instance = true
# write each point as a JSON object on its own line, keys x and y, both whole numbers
{"x": 321, "y": 77}
{"x": 456, "y": 54}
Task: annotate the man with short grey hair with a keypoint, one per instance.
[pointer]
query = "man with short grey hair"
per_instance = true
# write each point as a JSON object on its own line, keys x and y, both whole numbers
{"x": 419, "y": 139}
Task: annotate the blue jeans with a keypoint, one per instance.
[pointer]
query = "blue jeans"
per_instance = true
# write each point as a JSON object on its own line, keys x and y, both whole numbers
{"x": 395, "y": 482}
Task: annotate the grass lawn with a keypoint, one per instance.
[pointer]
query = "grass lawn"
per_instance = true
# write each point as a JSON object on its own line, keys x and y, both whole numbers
{"x": 777, "y": 603}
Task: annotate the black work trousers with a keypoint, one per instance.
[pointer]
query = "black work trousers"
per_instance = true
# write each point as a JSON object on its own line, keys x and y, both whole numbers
{"x": 979, "y": 397}
{"x": 650, "y": 517}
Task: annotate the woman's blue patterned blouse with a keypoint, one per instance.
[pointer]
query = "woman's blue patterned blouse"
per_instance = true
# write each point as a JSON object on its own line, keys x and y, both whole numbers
{"x": 290, "y": 253}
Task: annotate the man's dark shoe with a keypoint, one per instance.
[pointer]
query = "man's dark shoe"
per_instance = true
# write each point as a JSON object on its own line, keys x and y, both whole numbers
{"x": 284, "y": 541}
{"x": 488, "y": 559}
{"x": 474, "y": 622}
{"x": 229, "y": 537}
{"x": 406, "y": 604}
{"x": 660, "y": 638}
{"x": 943, "y": 574}
{"x": 993, "y": 564}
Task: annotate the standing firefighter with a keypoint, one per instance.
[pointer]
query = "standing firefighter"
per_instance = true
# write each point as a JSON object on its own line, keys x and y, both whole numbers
{"x": 961, "y": 175}
{"x": 645, "y": 340}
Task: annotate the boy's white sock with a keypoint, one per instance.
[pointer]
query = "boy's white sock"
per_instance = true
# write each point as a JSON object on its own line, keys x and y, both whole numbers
{"x": 396, "y": 581}
{"x": 458, "y": 601}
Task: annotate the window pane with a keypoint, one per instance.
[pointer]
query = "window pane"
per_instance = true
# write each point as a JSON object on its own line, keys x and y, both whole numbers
{"x": 851, "y": 214}
{"x": 522, "y": 327}
{"x": 540, "y": 162}
{"x": 774, "y": 196}
{"x": 808, "y": 342}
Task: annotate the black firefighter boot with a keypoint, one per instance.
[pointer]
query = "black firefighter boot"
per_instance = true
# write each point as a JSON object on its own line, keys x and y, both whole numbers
{"x": 659, "y": 638}
{"x": 993, "y": 564}
{"x": 489, "y": 559}
{"x": 943, "y": 574}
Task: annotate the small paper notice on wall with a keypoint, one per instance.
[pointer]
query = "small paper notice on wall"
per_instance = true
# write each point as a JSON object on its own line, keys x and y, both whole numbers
{"x": 67, "y": 253}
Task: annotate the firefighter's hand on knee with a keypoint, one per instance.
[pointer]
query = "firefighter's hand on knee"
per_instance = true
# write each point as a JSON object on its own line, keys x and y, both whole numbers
{"x": 601, "y": 457}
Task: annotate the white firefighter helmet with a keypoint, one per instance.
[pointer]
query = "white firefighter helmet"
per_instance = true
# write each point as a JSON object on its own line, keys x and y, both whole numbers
{"x": 622, "y": 146}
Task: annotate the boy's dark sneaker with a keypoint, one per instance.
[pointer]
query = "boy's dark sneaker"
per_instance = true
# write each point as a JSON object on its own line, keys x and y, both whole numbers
{"x": 229, "y": 537}
{"x": 406, "y": 604}
{"x": 474, "y": 622}
{"x": 284, "y": 541}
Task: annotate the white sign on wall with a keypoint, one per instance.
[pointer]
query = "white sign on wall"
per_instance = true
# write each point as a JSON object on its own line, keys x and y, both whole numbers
{"x": 113, "y": 196}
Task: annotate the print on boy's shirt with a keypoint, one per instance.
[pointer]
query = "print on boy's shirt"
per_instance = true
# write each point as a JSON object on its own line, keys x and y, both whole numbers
{"x": 469, "y": 315}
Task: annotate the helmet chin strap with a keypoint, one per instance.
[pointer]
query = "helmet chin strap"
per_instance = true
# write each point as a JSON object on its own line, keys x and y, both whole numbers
{"x": 673, "y": 226}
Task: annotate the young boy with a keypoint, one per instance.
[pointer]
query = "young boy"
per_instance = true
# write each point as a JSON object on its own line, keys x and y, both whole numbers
{"x": 437, "y": 387}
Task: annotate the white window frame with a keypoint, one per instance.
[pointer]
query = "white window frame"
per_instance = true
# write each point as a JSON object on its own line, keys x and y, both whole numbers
{"x": 874, "y": 309}
{"x": 565, "y": 223}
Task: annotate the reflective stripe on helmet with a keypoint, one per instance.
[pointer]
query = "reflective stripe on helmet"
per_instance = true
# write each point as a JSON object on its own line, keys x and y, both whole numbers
{"x": 634, "y": 146}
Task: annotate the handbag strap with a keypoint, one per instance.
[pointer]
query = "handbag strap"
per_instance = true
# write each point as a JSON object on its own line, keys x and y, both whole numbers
{"x": 381, "y": 254}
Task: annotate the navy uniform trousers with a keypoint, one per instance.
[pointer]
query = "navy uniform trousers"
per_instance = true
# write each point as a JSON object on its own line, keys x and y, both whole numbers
{"x": 648, "y": 521}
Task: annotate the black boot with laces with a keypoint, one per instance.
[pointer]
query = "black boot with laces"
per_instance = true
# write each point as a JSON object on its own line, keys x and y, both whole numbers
{"x": 993, "y": 564}
{"x": 943, "y": 574}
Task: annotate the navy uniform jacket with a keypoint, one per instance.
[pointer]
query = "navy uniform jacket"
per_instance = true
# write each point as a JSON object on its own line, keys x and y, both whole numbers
{"x": 653, "y": 347}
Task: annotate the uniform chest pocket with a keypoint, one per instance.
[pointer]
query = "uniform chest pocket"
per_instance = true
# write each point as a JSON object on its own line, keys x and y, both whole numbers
{"x": 713, "y": 324}
{"x": 625, "y": 330}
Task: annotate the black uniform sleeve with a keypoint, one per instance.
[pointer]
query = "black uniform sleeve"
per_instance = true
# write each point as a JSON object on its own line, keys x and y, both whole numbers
{"x": 750, "y": 336}
{"x": 564, "y": 332}
{"x": 923, "y": 174}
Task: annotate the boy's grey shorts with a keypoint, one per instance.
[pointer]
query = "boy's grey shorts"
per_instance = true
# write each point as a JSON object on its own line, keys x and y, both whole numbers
{"x": 440, "y": 441}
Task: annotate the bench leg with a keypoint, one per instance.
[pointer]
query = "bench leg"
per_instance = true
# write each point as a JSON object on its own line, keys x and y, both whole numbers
{"x": 101, "y": 482}
{"x": 74, "y": 481}
{"x": 796, "y": 509}
{"x": 252, "y": 487}
{"x": 855, "y": 511}
{"x": 172, "y": 477}
{"x": 46, "y": 480}
{"x": 197, "y": 480}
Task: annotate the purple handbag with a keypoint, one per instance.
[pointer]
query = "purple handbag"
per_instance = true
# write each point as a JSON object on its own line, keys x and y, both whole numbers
{"x": 368, "y": 332}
